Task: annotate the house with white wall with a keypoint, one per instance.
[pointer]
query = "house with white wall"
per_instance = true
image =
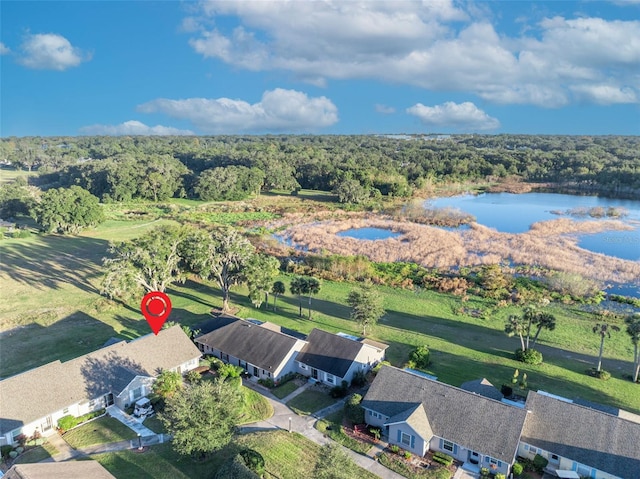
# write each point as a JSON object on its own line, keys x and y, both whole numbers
{"x": 118, "y": 374}
{"x": 332, "y": 358}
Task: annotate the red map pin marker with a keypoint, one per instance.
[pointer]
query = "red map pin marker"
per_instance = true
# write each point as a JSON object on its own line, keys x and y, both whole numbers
{"x": 155, "y": 307}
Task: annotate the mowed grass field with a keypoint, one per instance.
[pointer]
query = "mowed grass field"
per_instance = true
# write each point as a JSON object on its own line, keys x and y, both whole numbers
{"x": 51, "y": 309}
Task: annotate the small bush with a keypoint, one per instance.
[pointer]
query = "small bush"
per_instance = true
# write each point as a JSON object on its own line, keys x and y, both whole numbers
{"x": 500, "y": 476}
{"x": 377, "y": 367}
{"x": 420, "y": 357}
{"x": 67, "y": 422}
{"x": 375, "y": 432}
{"x": 229, "y": 370}
{"x": 539, "y": 463}
{"x": 254, "y": 461}
{"x": 602, "y": 374}
{"x": 5, "y": 450}
{"x": 20, "y": 449}
{"x": 394, "y": 448}
{"x": 13, "y": 454}
{"x": 443, "y": 474}
{"x": 359, "y": 379}
{"x": 407, "y": 455}
{"x": 193, "y": 377}
{"x": 268, "y": 382}
{"x": 353, "y": 410}
{"x": 529, "y": 356}
{"x": 517, "y": 469}
{"x": 484, "y": 472}
{"x": 339, "y": 391}
{"x": 443, "y": 458}
{"x": 235, "y": 382}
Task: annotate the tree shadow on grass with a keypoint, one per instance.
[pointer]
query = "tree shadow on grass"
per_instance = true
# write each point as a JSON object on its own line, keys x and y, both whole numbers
{"x": 33, "y": 345}
{"x": 52, "y": 260}
{"x": 190, "y": 285}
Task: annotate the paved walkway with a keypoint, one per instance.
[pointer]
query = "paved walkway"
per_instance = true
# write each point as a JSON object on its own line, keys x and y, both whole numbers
{"x": 131, "y": 422}
{"x": 284, "y": 418}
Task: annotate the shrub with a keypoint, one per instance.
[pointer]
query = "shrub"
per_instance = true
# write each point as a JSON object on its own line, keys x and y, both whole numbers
{"x": 394, "y": 448}
{"x": 254, "y": 461}
{"x": 539, "y": 463}
{"x": 407, "y": 455}
{"x": 353, "y": 410}
{"x": 193, "y": 377}
{"x": 375, "y": 432}
{"x": 529, "y": 356}
{"x": 517, "y": 469}
{"x": 5, "y": 450}
{"x": 21, "y": 439}
{"x": 377, "y": 367}
{"x": 339, "y": 391}
{"x": 443, "y": 458}
{"x": 443, "y": 474}
{"x": 359, "y": 379}
{"x": 420, "y": 357}
{"x": 13, "y": 454}
{"x": 19, "y": 449}
{"x": 229, "y": 370}
{"x": 484, "y": 472}
{"x": 268, "y": 382}
{"x": 500, "y": 476}
{"x": 235, "y": 468}
{"x": 604, "y": 375}
{"x": 235, "y": 382}
{"x": 67, "y": 422}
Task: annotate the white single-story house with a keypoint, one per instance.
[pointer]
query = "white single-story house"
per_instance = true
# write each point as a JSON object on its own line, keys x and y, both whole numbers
{"x": 419, "y": 415}
{"x": 332, "y": 358}
{"x": 118, "y": 374}
{"x": 260, "y": 349}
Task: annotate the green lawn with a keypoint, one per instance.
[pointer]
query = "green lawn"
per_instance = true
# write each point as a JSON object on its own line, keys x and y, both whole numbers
{"x": 70, "y": 318}
{"x": 310, "y": 401}
{"x": 287, "y": 456}
{"x": 284, "y": 390}
{"x": 255, "y": 407}
{"x": 155, "y": 425}
{"x": 100, "y": 431}
{"x": 36, "y": 454}
{"x": 332, "y": 427}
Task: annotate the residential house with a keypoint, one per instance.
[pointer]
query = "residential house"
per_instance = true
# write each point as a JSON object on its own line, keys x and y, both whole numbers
{"x": 263, "y": 352}
{"x": 591, "y": 442}
{"x": 332, "y": 358}
{"x": 118, "y": 374}
{"x": 59, "y": 470}
{"x": 420, "y": 414}
{"x": 484, "y": 388}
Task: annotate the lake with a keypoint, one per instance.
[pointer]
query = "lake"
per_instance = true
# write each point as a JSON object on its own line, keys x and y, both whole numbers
{"x": 512, "y": 213}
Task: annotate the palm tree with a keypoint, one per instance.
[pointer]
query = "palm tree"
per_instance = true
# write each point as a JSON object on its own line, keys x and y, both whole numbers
{"x": 633, "y": 330}
{"x": 516, "y": 325}
{"x": 543, "y": 321}
{"x": 604, "y": 330}
{"x": 313, "y": 287}
{"x": 277, "y": 289}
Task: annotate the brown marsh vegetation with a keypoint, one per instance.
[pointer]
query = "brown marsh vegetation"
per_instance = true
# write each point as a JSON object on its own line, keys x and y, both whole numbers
{"x": 550, "y": 244}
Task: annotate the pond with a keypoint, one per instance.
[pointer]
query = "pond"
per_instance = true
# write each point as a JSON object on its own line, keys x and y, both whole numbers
{"x": 369, "y": 233}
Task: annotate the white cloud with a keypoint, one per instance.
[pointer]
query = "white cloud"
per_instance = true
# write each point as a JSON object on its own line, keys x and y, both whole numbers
{"x": 432, "y": 45}
{"x": 278, "y": 110}
{"x": 385, "y": 109}
{"x": 4, "y": 49}
{"x": 605, "y": 94}
{"x": 132, "y": 127}
{"x": 49, "y": 51}
{"x": 461, "y": 116}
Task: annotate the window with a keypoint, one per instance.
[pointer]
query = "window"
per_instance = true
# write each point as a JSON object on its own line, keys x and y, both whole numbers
{"x": 405, "y": 439}
{"x": 447, "y": 446}
{"x": 92, "y": 403}
{"x": 15, "y": 434}
{"x": 137, "y": 393}
{"x": 330, "y": 378}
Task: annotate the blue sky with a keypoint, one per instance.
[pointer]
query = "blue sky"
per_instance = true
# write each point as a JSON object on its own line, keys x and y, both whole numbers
{"x": 332, "y": 67}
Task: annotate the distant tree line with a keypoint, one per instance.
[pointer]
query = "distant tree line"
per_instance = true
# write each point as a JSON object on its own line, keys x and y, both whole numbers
{"x": 354, "y": 167}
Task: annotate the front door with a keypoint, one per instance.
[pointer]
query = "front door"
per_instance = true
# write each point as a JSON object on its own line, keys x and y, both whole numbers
{"x": 314, "y": 373}
{"x": 47, "y": 424}
{"x": 255, "y": 371}
{"x": 474, "y": 457}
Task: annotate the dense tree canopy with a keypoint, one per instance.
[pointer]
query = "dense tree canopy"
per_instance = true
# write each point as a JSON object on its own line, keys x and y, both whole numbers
{"x": 230, "y": 183}
{"x": 68, "y": 210}
{"x": 119, "y": 168}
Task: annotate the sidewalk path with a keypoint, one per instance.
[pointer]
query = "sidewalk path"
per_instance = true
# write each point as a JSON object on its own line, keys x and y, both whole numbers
{"x": 285, "y": 418}
{"x": 131, "y": 422}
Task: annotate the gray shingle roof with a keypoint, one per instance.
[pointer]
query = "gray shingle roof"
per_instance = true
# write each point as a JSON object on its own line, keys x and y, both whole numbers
{"x": 329, "y": 352}
{"x": 59, "y": 470}
{"x": 472, "y": 421}
{"x": 38, "y": 392}
{"x": 591, "y": 437}
{"x": 249, "y": 342}
{"x": 415, "y": 417}
{"x": 482, "y": 387}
